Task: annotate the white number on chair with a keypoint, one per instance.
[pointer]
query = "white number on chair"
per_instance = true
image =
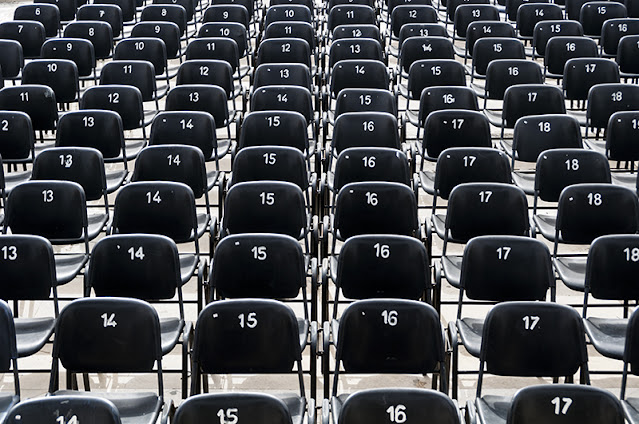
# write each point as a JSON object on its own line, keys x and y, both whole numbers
{"x": 530, "y": 322}
{"x": 397, "y": 414}
{"x": 563, "y": 410}
{"x": 250, "y": 321}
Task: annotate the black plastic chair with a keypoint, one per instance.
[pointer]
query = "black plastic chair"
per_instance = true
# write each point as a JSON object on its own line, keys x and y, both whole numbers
{"x": 61, "y": 75}
{"x": 30, "y": 34}
{"x": 528, "y": 15}
{"x": 593, "y": 14}
{"x": 580, "y": 74}
{"x": 606, "y": 99}
{"x": 545, "y": 30}
{"x": 559, "y": 49}
{"x": 117, "y": 335}
{"x": 99, "y": 33}
{"x": 613, "y": 30}
{"x": 47, "y": 14}
{"x": 83, "y": 408}
{"x": 9, "y": 358}
{"x": 108, "y": 13}
{"x": 78, "y": 50}
{"x": 526, "y": 339}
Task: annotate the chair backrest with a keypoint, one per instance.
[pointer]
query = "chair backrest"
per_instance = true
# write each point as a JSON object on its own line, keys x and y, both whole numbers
{"x": 434, "y": 72}
{"x": 495, "y": 268}
{"x": 529, "y": 14}
{"x": 593, "y": 14}
{"x": 284, "y": 50}
{"x": 620, "y": 136}
{"x": 28, "y": 268}
{"x": 260, "y": 322}
{"x": 365, "y": 99}
{"x": 109, "y": 13}
{"x": 476, "y": 209}
{"x": 606, "y": 99}
{"x": 128, "y": 7}
{"x": 151, "y": 49}
{"x": 281, "y": 206}
{"x": 382, "y": 266}
{"x": 157, "y": 207}
{"x": 418, "y": 48}
{"x": 534, "y": 134}
{"x": 258, "y": 266}
{"x": 136, "y": 73}
{"x": 445, "y": 97}
{"x": 233, "y": 30}
{"x": 207, "y": 72}
{"x": 107, "y": 334}
{"x": 47, "y": 14}
{"x": 587, "y": 211}
{"x": 250, "y": 406}
{"x": 188, "y": 5}
{"x": 85, "y": 408}
{"x": 30, "y": 34}
{"x": 370, "y": 406}
{"x": 284, "y": 97}
{"x": 16, "y": 136}
{"x": 354, "y": 48}
{"x": 532, "y": 339}
{"x": 59, "y": 74}
{"x": 545, "y": 30}
{"x": 531, "y": 99}
{"x": 11, "y": 59}
{"x": 421, "y": 30}
{"x": 226, "y": 13}
{"x": 216, "y": 48}
{"x": 488, "y": 49}
{"x": 349, "y": 14}
{"x": 559, "y": 49}
{"x": 141, "y": 266}
{"x": 37, "y": 101}
{"x": 296, "y": 29}
{"x": 390, "y": 336}
{"x": 275, "y": 163}
{"x": 453, "y": 5}
{"x": 558, "y": 168}
{"x": 411, "y": 14}
{"x": 168, "y": 32}
{"x": 365, "y": 129}
{"x": 274, "y": 127}
{"x": 575, "y": 404}
{"x": 79, "y": 50}
{"x": 9, "y": 351}
{"x": 502, "y": 73}
{"x": 487, "y": 29}
{"x": 357, "y": 31}
{"x": 467, "y": 13}
{"x": 357, "y": 164}
{"x": 454, "y": 128}
{"x": 358, "y": 74}
{"x": 288, "y": 12}
{"x": 98, "y": 33}
{"x": 125, "y": 100}
{"x": 52, "y": 209}
{"x": 580, "y": 74}
{"x": 459, "y": 165}
{"x": 627, "y": 54}
{"x": 375, "y": 208}
{"x": 613, "y": 30}
{"x": 82, "y": 165}
{"x": 193, "y": 128}
{"x": 282, "y": 74}
{"x": 612, "y": 261}
{"x": 167, "y": 13}
{"x": 67, "y": 8}
{"x": 200, "y": 97}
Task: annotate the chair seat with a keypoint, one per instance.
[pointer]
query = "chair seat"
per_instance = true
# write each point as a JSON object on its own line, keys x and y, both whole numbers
{"x": 115, "y": 180}
{"x": 67, "y": 267}
{"x": 303, "y": 326}
{"x": 413, "y": 117}
{"x": 596, "y": 145}
{"x": 96, "y": 224}
{"x": 12, "y": 179}
{"x": 507, "y": 146}
{"x": 223, "y": 147}
{"x": 212, "y": 178}
{"x": 580, "y": 115}
{"x": 32, "y": 334}
{"x": 202, "y": 223}
{"x": 571, "y": 271}
{"x": 452, "y": 269}
{"x": 427, "y": 181}
{"x": 188, "y": 266}
{"x": 470, "y": 330}
{"x": 131, "y": 150}
{"x": 336, "y": 405}
{"x": 631, "y": 408}
{"x": 626, "y": 179}
{"x": 546, "y": 225}
{"x": 439, "y": 224}
{"x": 7, "y": 401}
{"x": 493, "y": 409}
{"x": 134, "y": 407}
{"x": 494, "y": 117}
{"x": 607, "y": 335}
{"x": 170, "y": 329}
{"x": 525, "y": 181}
